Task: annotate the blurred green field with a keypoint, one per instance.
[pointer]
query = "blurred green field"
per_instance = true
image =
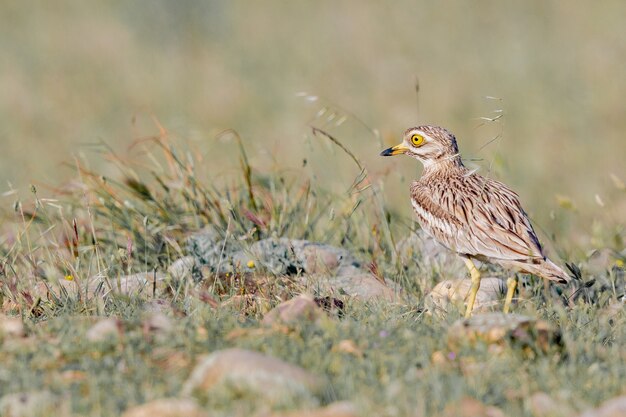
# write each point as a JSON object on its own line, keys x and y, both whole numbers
{"x": 74, "y": 73}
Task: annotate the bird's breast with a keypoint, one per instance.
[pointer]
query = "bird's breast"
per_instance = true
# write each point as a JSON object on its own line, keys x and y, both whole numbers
{"x": 430, "y": 220}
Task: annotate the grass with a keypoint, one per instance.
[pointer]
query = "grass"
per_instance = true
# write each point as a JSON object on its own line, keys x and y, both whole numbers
{"x": 96, "y": 229}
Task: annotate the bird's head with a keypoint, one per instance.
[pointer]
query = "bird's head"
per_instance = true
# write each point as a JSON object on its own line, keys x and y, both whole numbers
{"x": 428, "y": 144}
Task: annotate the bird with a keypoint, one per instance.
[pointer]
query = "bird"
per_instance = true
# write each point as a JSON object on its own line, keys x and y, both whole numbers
{"x": 475, "y": 216}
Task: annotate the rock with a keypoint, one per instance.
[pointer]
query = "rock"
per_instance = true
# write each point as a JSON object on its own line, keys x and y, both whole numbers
{"x": 615, "y": 407}
{"x": 439, "y": 358}
{"x": 348, "y": 346}
{"x": 300, "y": 308}
{"x": 324, "y": 259}
{"x": 26, "y": 404}
{"x": 530, "y": 334}
{"x": 212, "y": 248}
{"x": 159, "y": 305}
{"x": 543, "y": 405}
{"x": 143, "y": 284}
{"x": 167, "y": 407}
{"x": 330, "y": 269}
{"x": 281, "y": 256}
{"x": 11, "y": 327}
{"x": 337, "y": 409}
{"x": 220, "y": 253}
{"x": 245, "y": 371}
{"x": 157, "y": 322}
{"x": 185, "y": 268}
{"x": 354, "y": 283}
{"x": 105, "y": 329}
{"x": 469, "y": 407}
{"x": 490, "y": 293}
{"x": 285, "y": 256}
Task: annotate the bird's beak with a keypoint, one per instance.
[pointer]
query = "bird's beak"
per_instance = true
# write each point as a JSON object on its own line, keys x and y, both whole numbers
{"x": 396, "y": 150}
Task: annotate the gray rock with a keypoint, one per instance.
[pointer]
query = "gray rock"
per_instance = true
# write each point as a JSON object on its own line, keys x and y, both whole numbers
{"x": 29, "y": 404}
{"x": 105, "y": 329}
{"x": 354, "y": 283}
{"x": 143, "y": 284}
{"x": 284, "y": 256}
{"x": 470, "y": 407}
{"x": 543, "y": 405}
{"x": 615, "y": 407}
{"x": 324, "y": 259}
{"x": 300, "y": 308}
{"x": 326, "y": 270}
{"x": 261, "y": 376}
{"x": 185, "y": 268}
{"x": 157, "y": 322}
{"x": 337, "y": 409}
{"x": 278, "y": 256}
{"x": 323, "y": 269}
{"x": 159, "y": 305}
{"x": 167, "y": 407}
{"x": 11, "y": 327}
{"x": 281, "y": 256}
{"x": 214, "y": 249}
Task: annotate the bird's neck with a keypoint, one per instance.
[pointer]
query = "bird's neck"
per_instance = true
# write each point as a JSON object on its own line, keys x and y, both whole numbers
{"x": 443, "y": 165}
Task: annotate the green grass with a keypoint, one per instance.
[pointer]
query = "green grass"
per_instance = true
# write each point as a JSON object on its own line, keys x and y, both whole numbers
{"x": 97, "y": 229}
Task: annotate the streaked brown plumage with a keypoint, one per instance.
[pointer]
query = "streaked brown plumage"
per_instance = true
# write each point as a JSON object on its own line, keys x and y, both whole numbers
{"x": 475, "y": 216}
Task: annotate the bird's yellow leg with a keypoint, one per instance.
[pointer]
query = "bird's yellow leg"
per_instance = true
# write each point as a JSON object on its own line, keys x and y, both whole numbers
{"x": 511, "y": 284}
{"x": 475, "y": 274}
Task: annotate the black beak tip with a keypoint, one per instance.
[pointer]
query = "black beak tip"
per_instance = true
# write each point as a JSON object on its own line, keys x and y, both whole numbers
{"x": 387, "y": 152}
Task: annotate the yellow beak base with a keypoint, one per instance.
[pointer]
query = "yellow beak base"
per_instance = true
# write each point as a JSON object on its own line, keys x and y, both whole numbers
{"x": 396, "y": 150}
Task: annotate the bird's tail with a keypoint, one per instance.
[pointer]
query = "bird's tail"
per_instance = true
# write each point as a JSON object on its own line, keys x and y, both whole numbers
{"x": 548, "y": 270}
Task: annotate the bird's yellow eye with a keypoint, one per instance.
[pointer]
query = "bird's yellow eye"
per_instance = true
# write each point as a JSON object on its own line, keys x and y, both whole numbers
{"x": 417, "y": 140}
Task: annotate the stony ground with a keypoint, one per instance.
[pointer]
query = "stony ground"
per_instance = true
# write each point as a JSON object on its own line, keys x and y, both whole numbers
{"x": 318, "y": 333}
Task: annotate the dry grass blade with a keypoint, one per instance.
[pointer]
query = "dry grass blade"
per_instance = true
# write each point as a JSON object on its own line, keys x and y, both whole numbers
{"x": 317, "y": 130}
{"x": 362, "y": 176}
{"x": 245, "y": 165}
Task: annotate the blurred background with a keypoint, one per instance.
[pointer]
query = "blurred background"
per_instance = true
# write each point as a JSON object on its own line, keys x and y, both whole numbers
{"x": 74, "y": 75}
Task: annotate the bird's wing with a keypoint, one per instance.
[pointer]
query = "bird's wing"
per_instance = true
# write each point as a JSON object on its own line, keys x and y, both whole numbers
{"x": 482, "y": 216}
